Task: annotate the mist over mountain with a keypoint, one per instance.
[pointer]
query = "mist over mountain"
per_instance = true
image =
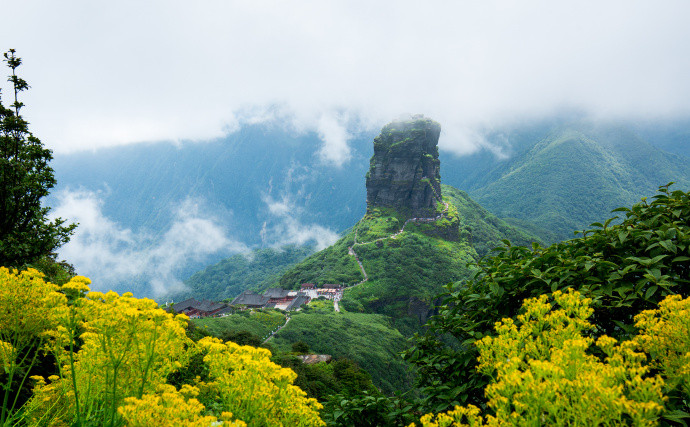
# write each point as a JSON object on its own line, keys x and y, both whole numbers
{"x": 152, "y": 214}
{"x": 567, "y": 176}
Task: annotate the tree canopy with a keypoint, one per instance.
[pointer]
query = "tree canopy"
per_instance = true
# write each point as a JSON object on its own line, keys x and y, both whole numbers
{"x": 26, "y": 232}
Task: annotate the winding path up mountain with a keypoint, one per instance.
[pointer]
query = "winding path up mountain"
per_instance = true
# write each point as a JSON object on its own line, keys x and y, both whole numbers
{"x": 351, "y": 250}
{"x": 271, "y": 334}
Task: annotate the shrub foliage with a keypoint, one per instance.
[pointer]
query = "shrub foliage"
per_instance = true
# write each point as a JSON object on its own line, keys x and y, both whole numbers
{"x": 624, "y": 268}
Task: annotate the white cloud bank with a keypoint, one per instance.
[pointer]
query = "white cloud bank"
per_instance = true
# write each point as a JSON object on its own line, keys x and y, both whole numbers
{"x": 285, "y": 228}
{"x": 106, "y": 73}
{"x": 110, "y": 254}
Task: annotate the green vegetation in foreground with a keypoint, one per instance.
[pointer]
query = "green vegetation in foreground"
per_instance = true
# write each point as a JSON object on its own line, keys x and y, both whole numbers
{"x": 259, "y": 323}
{"x": 367, "y": 339}
{"x": 230, "y": 277}
{"x": 625, "y": 269}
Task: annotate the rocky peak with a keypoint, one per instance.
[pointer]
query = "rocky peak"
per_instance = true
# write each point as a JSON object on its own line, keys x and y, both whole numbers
{"x": 404, "y": 171}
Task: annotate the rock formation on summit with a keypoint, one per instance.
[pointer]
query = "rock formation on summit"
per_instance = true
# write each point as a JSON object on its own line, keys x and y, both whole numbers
{"x": 404, "y": 171}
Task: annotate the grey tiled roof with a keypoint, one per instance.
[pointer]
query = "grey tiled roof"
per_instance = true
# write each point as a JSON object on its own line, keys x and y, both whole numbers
{"x": 276, "y": 293}
{"x": 297, "y": 302}
{"x": 184, "y": 305}
{"x": 250, "y": 298}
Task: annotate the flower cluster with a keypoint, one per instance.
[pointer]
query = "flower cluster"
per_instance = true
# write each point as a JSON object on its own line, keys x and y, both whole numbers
{"x": 169, "y": 406}
{"x": 665, "y": 336}
{"x": 545, "y": 372}
{"x": 114, "y": 355}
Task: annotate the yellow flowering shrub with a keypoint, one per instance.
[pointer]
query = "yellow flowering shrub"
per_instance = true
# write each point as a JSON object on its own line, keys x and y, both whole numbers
{"x": 26, "y": 308}
{"x": 7, "y": 356}
{"x": 26, "y": 304}
{"x": 544, "y": 373}
{"x": 114, "y": 355}
{"x": 665, "y": 335}
{"x": 237, "y": 372}
{"x": 128, "y": 347}
{"x": 170, "y": 407}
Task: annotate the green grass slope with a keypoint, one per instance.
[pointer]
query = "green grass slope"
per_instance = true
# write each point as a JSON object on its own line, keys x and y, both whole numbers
{"x": 368, "y": 339}
{"x": 259, "y": 323}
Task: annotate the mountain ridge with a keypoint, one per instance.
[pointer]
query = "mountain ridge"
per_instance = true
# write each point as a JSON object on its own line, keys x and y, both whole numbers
{"x": 590, "y": 170}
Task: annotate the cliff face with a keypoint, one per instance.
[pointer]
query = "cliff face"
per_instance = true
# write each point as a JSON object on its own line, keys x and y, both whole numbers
{"x": 404, "y": 172}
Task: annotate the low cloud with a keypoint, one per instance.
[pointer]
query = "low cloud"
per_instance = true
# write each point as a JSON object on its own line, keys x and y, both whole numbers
{"x": 188, "y": 70}
{"x": 284, "y": 226}
{"x": 112, "y": 255}
{"x": 333, "y": 133}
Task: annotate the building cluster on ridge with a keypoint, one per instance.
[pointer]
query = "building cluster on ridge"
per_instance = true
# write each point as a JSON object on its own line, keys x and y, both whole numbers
{"x": 279, "y": 298}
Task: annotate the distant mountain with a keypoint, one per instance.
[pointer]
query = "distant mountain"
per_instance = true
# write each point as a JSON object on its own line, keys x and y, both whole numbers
{"x": 235, "y": 178}
{"x": 262, "y": 186}
{"x": 265, "y": 185}
{"x": 669, "y": 135}
{"x": 575, "y": 175}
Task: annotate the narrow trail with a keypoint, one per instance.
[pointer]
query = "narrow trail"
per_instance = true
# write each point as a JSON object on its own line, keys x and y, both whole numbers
{"x": 351, "y": 250}
{"x": 287, "y": 319}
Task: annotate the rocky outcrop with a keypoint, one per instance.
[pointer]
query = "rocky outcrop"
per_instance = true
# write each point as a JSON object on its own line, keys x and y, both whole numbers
{"x": 310, "y": 359}
{"x": 404, "y": 171}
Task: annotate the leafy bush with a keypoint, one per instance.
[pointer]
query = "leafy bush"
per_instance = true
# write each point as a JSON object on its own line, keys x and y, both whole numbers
{"x": 545, "y": 370}
{"x": 624, "y": 269}
{"x": 366, "y": 410}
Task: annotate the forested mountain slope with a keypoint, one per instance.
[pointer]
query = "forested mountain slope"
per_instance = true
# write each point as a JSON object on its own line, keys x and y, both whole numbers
{"x": 576, "y": 174}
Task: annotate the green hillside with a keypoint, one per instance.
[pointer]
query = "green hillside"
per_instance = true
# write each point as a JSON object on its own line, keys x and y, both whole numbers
{"x": 409, "y": 270}
{"x": 228, "y": 278}
{"x": 405, "y": 274}
{"x": 576, "y": 175}
{"x": 368, "y": 339}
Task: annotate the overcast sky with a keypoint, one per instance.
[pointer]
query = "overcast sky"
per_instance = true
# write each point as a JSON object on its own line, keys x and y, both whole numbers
{"x": 116, "y": 72}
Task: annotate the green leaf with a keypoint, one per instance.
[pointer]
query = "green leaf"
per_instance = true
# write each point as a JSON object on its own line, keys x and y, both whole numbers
{"x": 657, "y": 258}
{"x": 668, "y": 245}
{"x": 651, "y": 291}
{"x": 676, "y": 415}
{"x": 622, "y": 236}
